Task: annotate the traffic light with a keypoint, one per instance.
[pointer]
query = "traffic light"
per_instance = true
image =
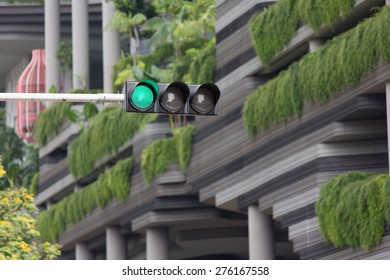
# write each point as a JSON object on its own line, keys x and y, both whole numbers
{"x": 148, "y": 96}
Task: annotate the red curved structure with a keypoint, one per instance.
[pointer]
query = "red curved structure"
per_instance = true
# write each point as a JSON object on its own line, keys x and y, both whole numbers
{"x": 32, "y": 80}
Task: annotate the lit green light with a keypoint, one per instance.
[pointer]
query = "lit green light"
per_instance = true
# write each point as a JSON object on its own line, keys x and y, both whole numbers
{"x": 142, "y": 97}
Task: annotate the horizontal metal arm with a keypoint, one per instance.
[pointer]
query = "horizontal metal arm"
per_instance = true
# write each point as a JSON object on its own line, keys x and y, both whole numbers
{"x": 63, "y": 97}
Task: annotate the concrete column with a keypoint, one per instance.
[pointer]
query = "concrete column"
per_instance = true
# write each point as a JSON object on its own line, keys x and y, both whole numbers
{"x": 52, "y": 41}
{"x": 80, "y": 42}
{"x": 315, "y": 44}
{"x": 261, "y": 235}
{"x": 82, "y": 252}
{"x": 116, "y": 248}
{"x": 111, "y": 46}
{"x": 157, "y": 243}
{"x": 49, "y": 204}
{"x": 387, "y": 2}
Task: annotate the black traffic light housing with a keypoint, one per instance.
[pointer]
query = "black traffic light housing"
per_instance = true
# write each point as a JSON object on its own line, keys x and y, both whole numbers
{"x": 174, "y": 98}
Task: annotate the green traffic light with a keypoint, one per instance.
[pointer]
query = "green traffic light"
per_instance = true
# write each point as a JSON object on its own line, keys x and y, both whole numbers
{"x": 144, "y": 95}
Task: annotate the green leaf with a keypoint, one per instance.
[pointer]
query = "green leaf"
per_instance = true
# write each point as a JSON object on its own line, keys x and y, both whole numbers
{"x": 52, "y": 89}
{"x": 137, "y": 72}
{"x": 154, "y": 24}
{"x": 73, "y": 115}
{"x": 90, "y": 110}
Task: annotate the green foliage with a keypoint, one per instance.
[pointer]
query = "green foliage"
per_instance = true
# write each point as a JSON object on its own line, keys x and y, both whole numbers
{"x": 19, "y": 159}
{"x": 353, "y": 209}
{"x": 2, "y": 114}
{"x": 107, "y": 131}
{"x": 318, "y": 12}
{"x": 19, "y": 237}
{"x": 50, "y": 120}
{"x": 134, "y": 6}
{"x": 64, "y": 54}
{"x": 203, "y": 64}
{"x": 156, "y": 156}
{"x": 182, "y": 43}
{"x": 33, "y": 188}
{"x": 125, "y": 22}
{"x": 273, "y": 29}
{"x": 112, "y": 184}
{"x": 124, "y": 68}
{"x": 320, "y": 75}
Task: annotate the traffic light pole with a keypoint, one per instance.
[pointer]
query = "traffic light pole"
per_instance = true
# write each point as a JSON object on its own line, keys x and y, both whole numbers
{"x": 63, "y": 97}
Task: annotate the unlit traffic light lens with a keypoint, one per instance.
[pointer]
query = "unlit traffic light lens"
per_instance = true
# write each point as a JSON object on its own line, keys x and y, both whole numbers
{"x": 203, "y": 101}
{"x": 144, "y": 95}
{"x": 173, "y": 99}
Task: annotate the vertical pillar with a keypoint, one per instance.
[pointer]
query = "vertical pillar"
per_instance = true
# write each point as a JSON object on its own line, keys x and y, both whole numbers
{"x": 387, "y": 2}
{"x": 115, "y": 244}
{"x": 111, "y": 47}
{"x": 80, "y": 42}
{"x": 49, "y": 204}
{"x": 157, "y": 243}
{"x": 52, "y": 41}
{"x": 261, "y": 235}
{"x": 82, "y": 252}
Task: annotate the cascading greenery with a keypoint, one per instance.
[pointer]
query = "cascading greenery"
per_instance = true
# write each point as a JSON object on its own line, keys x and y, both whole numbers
{"x": 354, "y": 208}
{"x": 50, "y": 120}
{"x": 273, "y": 29}
{"x": 107, "y": 131}
{"x": 203, "y": 65}
{"x": 113, "y": 184}
{"x": 321, "y": 74}
{"x": 156, "y": 156}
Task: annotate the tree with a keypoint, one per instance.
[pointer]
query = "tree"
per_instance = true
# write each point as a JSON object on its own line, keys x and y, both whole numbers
{"x": 19, "y": 237}
{"x": 20, "y": 160}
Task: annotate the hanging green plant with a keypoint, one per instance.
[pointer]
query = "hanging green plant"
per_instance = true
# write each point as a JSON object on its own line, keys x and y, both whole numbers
{"x": 320, "y": 75}
{"x": 157, "y": 156}
{"x": 272, "y": 29}
{"x": 50, "y": 120}
{"x": 112, "y": 184}
{"x": 353, "y": 209}
{"x": 108, "y": 130}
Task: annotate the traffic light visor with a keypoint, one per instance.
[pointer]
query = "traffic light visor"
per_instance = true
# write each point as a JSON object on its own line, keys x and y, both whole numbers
{"x": 144, "y": 95}
{"x": 175, "y": 97}
{"x": 205, "y": 98}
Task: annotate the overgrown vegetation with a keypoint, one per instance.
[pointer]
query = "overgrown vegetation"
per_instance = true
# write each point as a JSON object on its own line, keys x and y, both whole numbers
{"x": 320, "y": 75}
{"x": 50, "y": 120}
{"x": 202, "y": 66}
{"x": 273, "y": 29}
{"x": 157, "y": 156}
{"x": 353, "y": 209}
{"x": 21, "y": 160}
{"x": 64, "y": 55}
{"x": 181, "y": 39}
{"x": 113, "y": 184}
{"x": 106, "y": 132}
